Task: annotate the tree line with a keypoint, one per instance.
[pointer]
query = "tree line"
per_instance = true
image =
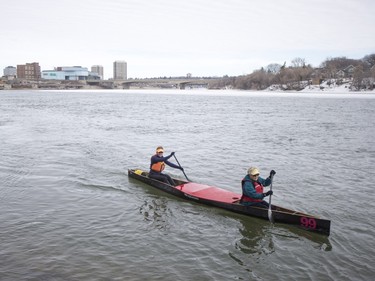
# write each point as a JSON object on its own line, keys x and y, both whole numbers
{"x": 360, "y": 73}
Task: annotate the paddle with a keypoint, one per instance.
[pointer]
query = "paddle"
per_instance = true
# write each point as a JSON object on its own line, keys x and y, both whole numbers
{"x": 181, "y": 167}
{"x": 269, "y": 203}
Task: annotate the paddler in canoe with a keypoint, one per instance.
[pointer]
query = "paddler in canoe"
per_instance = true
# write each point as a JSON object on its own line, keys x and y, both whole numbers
{"x": 253, "y": 188}
{"x": 158, "y": 164}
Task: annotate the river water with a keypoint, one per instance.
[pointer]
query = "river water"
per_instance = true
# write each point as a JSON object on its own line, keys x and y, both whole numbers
{"x": 68, "y": 210}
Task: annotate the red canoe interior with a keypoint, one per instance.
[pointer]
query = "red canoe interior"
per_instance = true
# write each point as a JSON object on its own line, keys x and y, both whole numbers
{"x": 209, "y": 192}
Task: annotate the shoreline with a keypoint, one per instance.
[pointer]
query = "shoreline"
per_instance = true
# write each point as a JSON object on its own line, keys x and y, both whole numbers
{"x": 183, "y": 85}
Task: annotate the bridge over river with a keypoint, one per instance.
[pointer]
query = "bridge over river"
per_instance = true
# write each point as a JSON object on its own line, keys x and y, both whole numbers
{"x": 177, "y": 83}
{"x": 161, "y": 83}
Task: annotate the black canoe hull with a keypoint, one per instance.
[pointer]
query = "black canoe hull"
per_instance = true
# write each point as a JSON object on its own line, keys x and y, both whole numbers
{"x": 279, "y": 214}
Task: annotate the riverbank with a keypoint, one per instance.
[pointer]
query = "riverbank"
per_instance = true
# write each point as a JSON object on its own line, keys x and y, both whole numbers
{"x": 155, "y": 84}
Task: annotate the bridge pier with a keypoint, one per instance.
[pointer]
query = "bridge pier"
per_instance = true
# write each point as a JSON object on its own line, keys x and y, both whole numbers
{"x": 125, "y": 86}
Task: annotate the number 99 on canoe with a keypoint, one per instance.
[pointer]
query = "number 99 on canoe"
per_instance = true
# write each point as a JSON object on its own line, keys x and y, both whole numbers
{"x": 308, "y": 222}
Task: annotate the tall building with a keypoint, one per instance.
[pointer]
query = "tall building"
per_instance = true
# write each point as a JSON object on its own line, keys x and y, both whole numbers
{"x": 28, "y": 71}
{"x": 98, "y": 69}
{"x": 10, "y": 71}
{"x": 120, "y": 70}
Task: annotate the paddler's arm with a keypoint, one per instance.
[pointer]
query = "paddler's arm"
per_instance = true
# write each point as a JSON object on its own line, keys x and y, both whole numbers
{"x": 172, "y": 165}
{"x": 155, "y": 158}
{"x": 264, "y": 182}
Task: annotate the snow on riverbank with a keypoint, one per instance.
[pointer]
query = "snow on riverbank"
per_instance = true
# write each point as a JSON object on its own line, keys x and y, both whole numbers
{"x": 333, "y": 88}
{"x": 329, "y": 87}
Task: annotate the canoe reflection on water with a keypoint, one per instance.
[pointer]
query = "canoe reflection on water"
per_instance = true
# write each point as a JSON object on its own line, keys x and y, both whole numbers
{"x": 259, "y": 241}
{"x": 257, "y": 236}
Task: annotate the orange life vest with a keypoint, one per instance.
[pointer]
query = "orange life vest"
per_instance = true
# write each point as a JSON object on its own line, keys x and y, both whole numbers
{"x": 158, "y": 167}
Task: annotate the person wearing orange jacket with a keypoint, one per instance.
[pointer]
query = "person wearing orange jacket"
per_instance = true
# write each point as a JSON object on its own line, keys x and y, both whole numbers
{"x": 158, "y": 162}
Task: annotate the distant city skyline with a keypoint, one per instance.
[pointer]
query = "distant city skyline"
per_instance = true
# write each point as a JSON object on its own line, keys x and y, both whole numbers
{"x": 34, "y": 71}
{"x": 172, "y": 38}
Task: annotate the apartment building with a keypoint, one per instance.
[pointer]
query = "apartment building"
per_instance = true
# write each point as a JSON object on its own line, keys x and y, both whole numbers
{"x": 120, "y": 70}
{"x": 99, "y": 70}
{"x": 29, "y": 71}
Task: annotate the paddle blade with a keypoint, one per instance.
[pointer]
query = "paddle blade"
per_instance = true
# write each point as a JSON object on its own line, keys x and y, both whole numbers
{"x": 270, "y": 217}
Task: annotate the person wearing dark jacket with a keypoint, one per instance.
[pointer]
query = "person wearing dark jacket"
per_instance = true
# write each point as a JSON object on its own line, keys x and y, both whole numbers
{"x": 158, "y": 162}
{"x": 253, "y": 188}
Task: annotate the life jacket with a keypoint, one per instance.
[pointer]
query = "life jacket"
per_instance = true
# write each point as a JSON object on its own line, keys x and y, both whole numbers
{"x": 258, "y": 189}
{"x": 158, "y": 167}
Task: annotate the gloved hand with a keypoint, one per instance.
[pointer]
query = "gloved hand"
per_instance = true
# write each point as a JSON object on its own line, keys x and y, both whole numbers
{"x": 269, "y": 192}
{"x": 272, "y": 173}
{"x": 172, "y": 153}
{"x": 182, "y": 169}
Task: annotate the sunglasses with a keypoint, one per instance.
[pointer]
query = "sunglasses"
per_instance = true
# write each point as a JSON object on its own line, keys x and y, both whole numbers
{"x": 160, "y": 152}
{"x": 257, "y": 175}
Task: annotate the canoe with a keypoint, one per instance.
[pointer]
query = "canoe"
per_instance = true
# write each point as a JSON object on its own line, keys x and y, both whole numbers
{"x": 221, "y": 198}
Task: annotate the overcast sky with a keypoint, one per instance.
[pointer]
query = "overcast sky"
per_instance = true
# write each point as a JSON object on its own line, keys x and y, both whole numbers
{"x": 174, "y": 37}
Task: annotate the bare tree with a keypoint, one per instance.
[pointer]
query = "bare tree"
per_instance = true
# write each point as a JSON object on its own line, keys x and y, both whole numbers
{"x": 298, "y": 62}
{"x": 358, "y": 76}
{"x": 273, "y": 68}
{"x": 372, "y": 72}
{"x": 369, "y": 60}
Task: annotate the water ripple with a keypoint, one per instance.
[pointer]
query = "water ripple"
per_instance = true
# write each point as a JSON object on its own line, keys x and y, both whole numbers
{"x": 69, "y": 212}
